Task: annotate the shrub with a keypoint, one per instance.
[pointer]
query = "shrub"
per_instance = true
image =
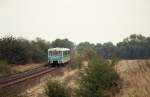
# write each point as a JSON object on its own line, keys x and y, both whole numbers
{"x": 55, "y": 88}
{"x": 4, "y": 67}
{"x": 114, "y": 61}
{"x": 98, "y": 77}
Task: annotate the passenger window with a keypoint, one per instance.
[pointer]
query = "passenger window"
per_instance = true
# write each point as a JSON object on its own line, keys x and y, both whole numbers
{"x": 65, "y": 53}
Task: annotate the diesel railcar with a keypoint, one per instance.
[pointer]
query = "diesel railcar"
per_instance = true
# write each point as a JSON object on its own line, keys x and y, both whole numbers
{"x": 58, "y": 55}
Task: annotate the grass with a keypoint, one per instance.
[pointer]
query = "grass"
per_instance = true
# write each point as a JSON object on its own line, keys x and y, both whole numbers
{"x": 4, "y": 68}
{"x": 135, "y": 75}
{"x": 22, "y": 68}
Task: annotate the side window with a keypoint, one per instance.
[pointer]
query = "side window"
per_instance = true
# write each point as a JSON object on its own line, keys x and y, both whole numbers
{"x": 65, "y": 53}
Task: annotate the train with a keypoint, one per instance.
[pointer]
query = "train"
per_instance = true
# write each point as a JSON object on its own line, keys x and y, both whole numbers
{"x": 58, "y": 56}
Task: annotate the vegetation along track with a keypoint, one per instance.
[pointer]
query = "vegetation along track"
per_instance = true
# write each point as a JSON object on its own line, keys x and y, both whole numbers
{"x": 20, "y": 77}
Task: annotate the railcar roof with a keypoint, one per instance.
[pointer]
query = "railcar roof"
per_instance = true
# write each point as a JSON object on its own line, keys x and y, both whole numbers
{"x": 58, "y": 49}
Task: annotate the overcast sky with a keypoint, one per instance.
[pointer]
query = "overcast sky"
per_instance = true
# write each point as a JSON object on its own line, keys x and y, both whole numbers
{"x": 79, "y": 20}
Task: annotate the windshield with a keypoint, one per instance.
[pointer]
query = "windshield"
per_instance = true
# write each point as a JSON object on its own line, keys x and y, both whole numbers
{"x": 54, "y": 53}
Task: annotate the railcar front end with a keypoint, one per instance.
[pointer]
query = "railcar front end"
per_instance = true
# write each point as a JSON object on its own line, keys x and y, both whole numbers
{"x": 58, "y": 55}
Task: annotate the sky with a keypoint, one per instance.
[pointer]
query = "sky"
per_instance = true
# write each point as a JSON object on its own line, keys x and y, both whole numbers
{"x": 96, "y": 21}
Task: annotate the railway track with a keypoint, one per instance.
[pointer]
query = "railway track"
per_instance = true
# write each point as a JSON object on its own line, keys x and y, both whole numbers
{"x": 21, "y": 77}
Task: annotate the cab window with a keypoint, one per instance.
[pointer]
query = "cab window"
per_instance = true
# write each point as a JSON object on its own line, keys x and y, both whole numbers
{"x": 56, "y": 53}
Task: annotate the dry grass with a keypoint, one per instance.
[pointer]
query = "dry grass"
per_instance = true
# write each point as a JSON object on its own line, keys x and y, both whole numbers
{"x": 22, "y": 68}
{"x": 68, "y": 77}
{"x": 135, "y": 75}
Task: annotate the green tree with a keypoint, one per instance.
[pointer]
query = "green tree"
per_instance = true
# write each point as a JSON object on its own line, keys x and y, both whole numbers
{"x": 63, "y": 43}
{"x": 133, "y": 47}
{"x": 107, "y": 50}
{"x": 22, "y": 51}
{"x": 12, "y": 50}
{"x": 39, "y": 49}
{"x": 83, "y": 46}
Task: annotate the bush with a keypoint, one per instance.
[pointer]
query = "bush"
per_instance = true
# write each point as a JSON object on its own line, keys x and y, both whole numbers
{"x": 4, "y": 67}
{"x": 22, "y": 51}
{"x": 97, "y": 78}
{"x": 114, "y": 61}
{"x": 55, "y": 88}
